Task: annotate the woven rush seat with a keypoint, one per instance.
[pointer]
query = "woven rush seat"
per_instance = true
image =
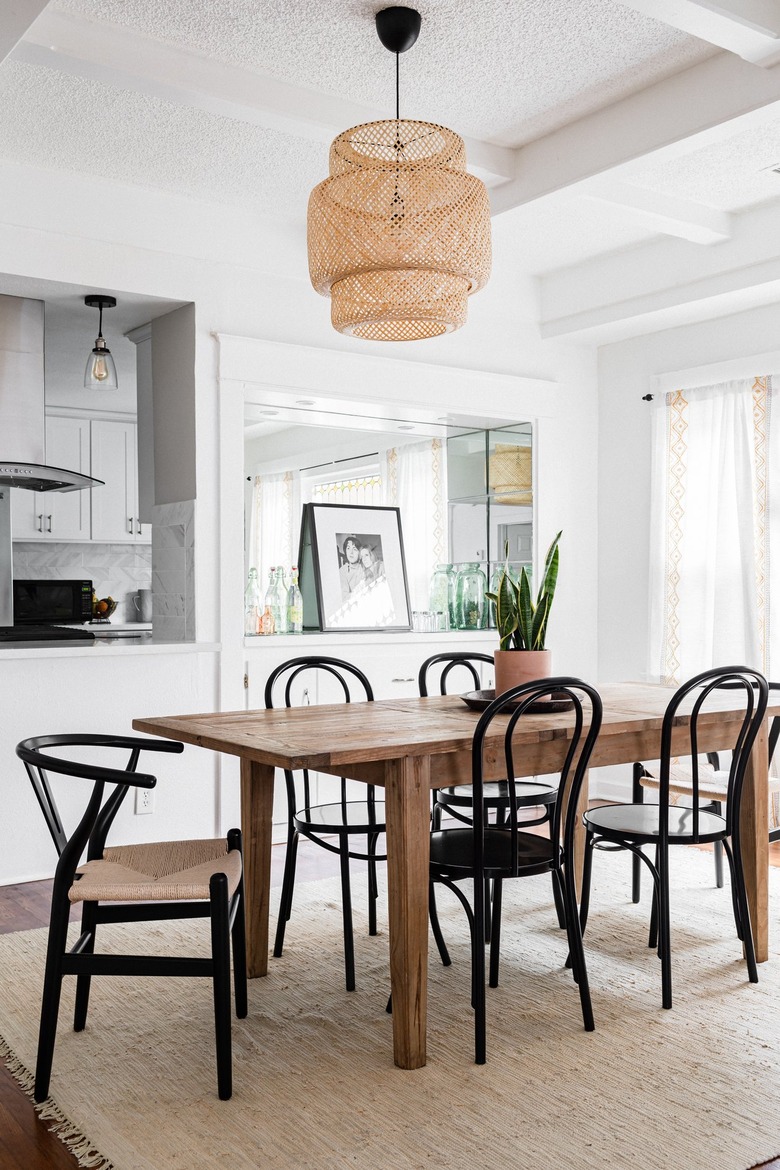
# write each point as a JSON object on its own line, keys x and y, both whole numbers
{"x": 159, "y": 871}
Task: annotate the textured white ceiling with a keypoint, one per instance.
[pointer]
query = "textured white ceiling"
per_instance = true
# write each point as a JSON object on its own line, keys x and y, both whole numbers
{"x": 503, "y": 70}
{"x": 731, "y": 175}
{"x": 58, "y": 120}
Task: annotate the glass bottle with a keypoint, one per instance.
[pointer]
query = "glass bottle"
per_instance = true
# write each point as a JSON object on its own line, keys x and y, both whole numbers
{"x": 279, "y": 604}
{"x": 266, "y": 624}
{"x": 294, "y": 605}
{"x": 268, "y": 600}
{"x": 470, "y": 598}
{"x": 442, "y": 586}
{"x": 252, "y": 604}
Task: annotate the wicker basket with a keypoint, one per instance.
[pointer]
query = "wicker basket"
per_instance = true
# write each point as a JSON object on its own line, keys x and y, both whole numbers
{"x": 510, "y": 471}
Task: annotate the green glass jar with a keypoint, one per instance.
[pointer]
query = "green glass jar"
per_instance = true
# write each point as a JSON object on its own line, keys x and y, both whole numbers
{"x": 442, "y": 595}
{"x": 470, "y": 604}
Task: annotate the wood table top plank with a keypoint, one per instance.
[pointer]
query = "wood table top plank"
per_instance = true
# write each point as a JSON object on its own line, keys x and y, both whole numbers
{"x": 330, "y": 737}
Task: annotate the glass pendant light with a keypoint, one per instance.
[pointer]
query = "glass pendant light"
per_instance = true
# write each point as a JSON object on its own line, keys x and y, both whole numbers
{"x": 100, "y": 373}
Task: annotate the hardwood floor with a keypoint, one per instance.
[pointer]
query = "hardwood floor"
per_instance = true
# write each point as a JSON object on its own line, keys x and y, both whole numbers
{"x": 25, "y": 1141}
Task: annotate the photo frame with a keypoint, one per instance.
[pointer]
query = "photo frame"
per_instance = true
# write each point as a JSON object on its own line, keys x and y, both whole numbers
{"x": 352, "y": 568}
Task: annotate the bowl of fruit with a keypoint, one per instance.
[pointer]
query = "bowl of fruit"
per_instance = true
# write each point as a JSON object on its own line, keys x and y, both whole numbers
{"x": 102, "y": 610}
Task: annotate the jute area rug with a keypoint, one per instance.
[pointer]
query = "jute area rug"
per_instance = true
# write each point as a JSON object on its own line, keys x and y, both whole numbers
{"x": 315, "y": 1085}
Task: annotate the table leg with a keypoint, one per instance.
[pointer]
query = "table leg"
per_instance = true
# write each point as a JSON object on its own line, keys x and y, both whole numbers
{"x": 257, "y": 798}
{"x": 755, "y": 842}
{"x": 407, "y": 807}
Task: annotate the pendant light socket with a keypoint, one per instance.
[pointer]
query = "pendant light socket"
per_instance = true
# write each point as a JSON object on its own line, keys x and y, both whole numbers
{"x": 100, "y": 373}
{"x": 398, "y": 28}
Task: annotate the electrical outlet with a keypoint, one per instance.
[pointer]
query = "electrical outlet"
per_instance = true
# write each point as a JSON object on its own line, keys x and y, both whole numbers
{"x": 144, "y": 800}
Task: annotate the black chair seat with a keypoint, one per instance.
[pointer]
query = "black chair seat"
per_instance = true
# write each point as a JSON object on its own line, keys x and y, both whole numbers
{"x": 452, "y": 852}
{"x": 357, "y": 815}
{"x": 529, "y": 793}
{"x": 639, "y": 823}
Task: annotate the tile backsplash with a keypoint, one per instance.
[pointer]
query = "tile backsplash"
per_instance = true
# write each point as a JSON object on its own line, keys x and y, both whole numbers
{"x": 116, "y": 570}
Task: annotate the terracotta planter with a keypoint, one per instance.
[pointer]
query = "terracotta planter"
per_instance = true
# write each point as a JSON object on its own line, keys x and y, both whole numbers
{"x": 514, "y": 667}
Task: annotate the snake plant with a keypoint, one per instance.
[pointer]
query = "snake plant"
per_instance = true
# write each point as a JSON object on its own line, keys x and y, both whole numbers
{"x": 521, "y": 622}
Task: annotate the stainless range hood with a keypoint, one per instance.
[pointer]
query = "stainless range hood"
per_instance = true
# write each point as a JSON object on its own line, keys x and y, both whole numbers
{"x": 22, "y": 427}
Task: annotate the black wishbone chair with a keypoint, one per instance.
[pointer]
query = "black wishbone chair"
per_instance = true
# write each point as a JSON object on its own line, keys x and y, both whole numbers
{"x": 152, "y": 882}
{"x": 489, "y": 852}
{"x": 632, "y": 826}
{"x": 342, "y": 819}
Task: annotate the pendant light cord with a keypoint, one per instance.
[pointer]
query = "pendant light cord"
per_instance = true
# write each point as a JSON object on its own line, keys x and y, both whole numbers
{"x": 100, "y": 320}
{"x": 397, "y": 87}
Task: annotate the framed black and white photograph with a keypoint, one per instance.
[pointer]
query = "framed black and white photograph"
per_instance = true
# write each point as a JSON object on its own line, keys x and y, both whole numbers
{"x": 353, "y": 568}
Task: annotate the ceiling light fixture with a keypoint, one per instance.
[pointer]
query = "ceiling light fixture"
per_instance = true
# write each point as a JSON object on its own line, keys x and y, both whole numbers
{"x": 399, "y": 234}
{"x": 100, "y": 373}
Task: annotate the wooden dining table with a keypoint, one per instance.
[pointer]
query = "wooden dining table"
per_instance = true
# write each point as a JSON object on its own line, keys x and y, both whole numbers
{"x": 411, "y": 746}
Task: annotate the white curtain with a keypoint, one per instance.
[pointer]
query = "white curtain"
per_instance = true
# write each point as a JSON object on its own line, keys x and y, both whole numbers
{"x": 415, "y": 477}
{"x": 275, "y": 518}
{"x": 716, "y": 479}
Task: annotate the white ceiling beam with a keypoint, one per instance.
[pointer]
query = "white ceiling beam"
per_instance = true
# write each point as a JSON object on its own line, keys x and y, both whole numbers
{"x": 121, "y": 57}
{"x": 621, "y": 294}
{"x": 748, "y": 28}
{"x": 18, "y": 15}
{"x": 667, "y": 214}
{"x": 707, "y": 103}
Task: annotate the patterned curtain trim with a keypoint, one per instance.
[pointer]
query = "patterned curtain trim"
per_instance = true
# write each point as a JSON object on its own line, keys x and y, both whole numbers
{"x": 677, "y": 449}
{"x": 761, "y": 401}
{"x": 440, "y": 518}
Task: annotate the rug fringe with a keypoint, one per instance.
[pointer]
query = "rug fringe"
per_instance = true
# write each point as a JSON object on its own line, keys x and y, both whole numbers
{"x": 79, "y": 1145}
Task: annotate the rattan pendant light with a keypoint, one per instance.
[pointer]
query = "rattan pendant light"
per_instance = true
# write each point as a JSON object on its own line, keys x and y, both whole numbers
{"x": 399, "y": 234}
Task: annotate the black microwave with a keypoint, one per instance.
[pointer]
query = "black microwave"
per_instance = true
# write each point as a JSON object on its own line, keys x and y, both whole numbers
{"x": 57, "y": 602}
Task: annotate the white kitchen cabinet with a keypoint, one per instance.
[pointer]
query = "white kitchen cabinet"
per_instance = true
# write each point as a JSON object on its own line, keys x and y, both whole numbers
{"x": 57, "y": 515}
{"x": 115, "y": 505}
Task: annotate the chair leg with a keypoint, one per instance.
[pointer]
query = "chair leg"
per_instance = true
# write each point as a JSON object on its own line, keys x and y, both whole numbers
{"x": 587, "y": 868}
{"x": 734, "y": 898}
{"x": 738, "y": 881}
{"x": 495, "y": 932}
{"x": 638, "y": 797}
{"x": 239, "y": 938}
{"x": 717, "y": 807}
{"x": 346, "y": 906}
{"x": 288, "y": 884}
{"x": 653, "y": 935}
{"x": 664, "y": 925}
{"x": 558, "y": 900}
{"x": 220, "y": 956}
{"x": 433, "y": 914}
{"x": 52, "y": 987}
{"x": 576, "y": 949}
{"x": 88, "y": 926}
{"x": 373, "y": 888}
{"x": 478, "y": 972}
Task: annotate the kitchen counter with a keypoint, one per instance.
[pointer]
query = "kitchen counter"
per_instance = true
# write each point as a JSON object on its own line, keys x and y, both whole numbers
{"x": 104, "y": 646}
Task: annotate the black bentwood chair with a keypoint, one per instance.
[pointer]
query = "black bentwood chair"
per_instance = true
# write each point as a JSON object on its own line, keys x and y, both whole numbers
{"x": 713, "y": 789}
{"x": 152, "y": 882}
{"x": 492, "y": 852}
{"x": 456, "y": 801}
{"x": 343, "y": 819}
{"x": 632, "y": 826}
